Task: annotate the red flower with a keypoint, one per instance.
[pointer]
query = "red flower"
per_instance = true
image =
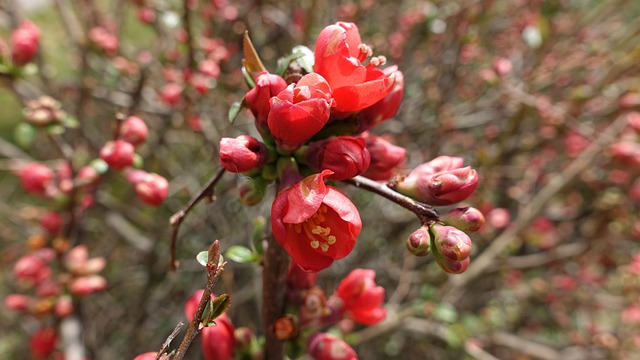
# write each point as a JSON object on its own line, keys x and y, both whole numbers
{"x": 43, "y": 342}
{"x": 361, "y": 297}
{"x": 118, "y": 154}
{"x": 385, "y": 158}
{"x": 300, "y": 111}
{"x": 134, "y": 130}
{"x": 152, "y": 189}
{"x": 35, "y": 178}
{"x": 387, "y": 107}
{"x": 218, "y": 341}
{"x": 315, "y": 223}
{"x": 242, "y": 154}
{"x": 25, "y": 41}
{"x": 339, "y": 55}
{"x": 324, "y": 346}
{"x": 346, "y": 156}
{"x": 258, "y": 98}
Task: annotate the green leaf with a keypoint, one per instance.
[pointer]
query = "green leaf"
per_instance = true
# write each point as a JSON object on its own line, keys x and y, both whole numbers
{"x": 307, "y": 58}
{"x": 258, "y": 230}
{"x": 251, "y": 61}
{"x": 214, "y": 309}
{"x": 234, "y": 110}
{"x": 24, "y": 135}
{"x": 100, "y": 166}
{"x": 71, "y": 122}
{"x": 241, "y": 254}
{"x": 55, "y": 129}
{"x": 202, "y": 258}
{"x": 445, "y": 313}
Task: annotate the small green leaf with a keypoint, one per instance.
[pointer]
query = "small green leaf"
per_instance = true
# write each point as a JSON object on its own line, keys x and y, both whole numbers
{"x": 71, "y": 122}
{"x": 55, "y": 129}
{"x": 100, "y": 166}
{"x": 202, "y": 258}
{"x": 24, "y": 135}
{"x": 220, "y": 305}
{"x": 234, "y": 110}
{"x": 241, "y": 254}
{"x": 307, "y": 58}
{"x": 258, "y": 231}
{"x": 445, "y": 313}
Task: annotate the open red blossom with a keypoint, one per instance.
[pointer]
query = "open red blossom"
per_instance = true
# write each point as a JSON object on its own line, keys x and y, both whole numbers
{"x": 339, "y": 55}
{"x": 258, "y": 98}
{"x": 361, "y": 297}
{"x": 300, "y": 111}
{"x": 386, "y": 108}
{"x": 315, "y": 223}
{"x": 346, "y": 156}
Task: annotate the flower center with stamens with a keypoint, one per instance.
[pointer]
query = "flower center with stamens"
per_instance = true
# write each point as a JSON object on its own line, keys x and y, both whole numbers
{"x": 319, "y": 236}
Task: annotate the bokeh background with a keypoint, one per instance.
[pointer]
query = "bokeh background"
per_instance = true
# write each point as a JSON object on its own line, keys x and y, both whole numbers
{"x": 539, "y": 96}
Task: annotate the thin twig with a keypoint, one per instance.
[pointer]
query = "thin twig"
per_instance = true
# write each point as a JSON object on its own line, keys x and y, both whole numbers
{"x": 425, "y": 213}
{"x": 206, "y": 192}
{"x": 167, "y": 343}
{"x": 213, "y": 274}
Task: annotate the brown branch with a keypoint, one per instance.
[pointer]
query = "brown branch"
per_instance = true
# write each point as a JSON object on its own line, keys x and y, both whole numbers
{"x": 214, "y": 270}
{"x": 424, "y": 212}
{"x": 275, "y": 263}
{"x": 205, "y": 193}
{"x": 167, "y": 342}
{"x": 186, "y": 22}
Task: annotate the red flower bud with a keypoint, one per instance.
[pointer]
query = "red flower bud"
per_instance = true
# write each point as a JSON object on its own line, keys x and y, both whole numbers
{"x": 242, "y": 154}
{"x": 171, "y": 94}
{"x": 152, "y": 189}
{"x": 315, "y": 223}
{"x": 627, "y": 152}
{"x": 146, "y": 15}
{"x": 439, "y": 164}
{"x": 419, "y": 242}
{"x": 361, "y": 297}
{"x": 339, "y": 55}
{"x": 43, "y": 342}
{"x": 32, "y": 268}
{"x": 118, "y": 154}
{"x": 346, "y": 156}
{"x": 385, "y": 158}
{"x": 147, "y": 356}
{"x": 300, "y": 111}
{"x": 18, "y": 302}
{"x": 441, "y": 188}
{"x": 25, "y": 41}
{"x": 48, "y": 288}
{"x": 324, "y": 346}
{"x": 87, "y": 285}
{"x": 387, "y": 107}
{"x": 51, "y": 222}
{"x": 465, "y": 219}
{"x": 105, "y": 40}
{"x": 133, "y": 130}
{"x": 64, "y": 306}
{"x": 452, "y": 248}
{"x": 258, "y": 98}
{"x": 35, "y": 178}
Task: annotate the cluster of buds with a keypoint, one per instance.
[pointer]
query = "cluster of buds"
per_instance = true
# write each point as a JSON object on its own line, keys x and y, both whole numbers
{"x": 44, "y": 111}
{"x": 314, "y": 120}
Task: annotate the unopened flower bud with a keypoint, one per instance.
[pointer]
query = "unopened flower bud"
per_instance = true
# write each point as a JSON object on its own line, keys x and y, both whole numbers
{"x": 25, "y": 41}
{"x": 242, "y": 154}
{"x": 30, "y": 267}
{"x": 451, "y": 243}
{"x": 64, "y": 306}
{"x": 324, "y": 346}
{"x": 134, "y": 130}
{"x": 346, "y": 156}
{"x": 152, "y": 189}
{"x": 171, "y": 94}
{"x": 118, "y": 154}
{"x": 258, "y": 98}
{"x": 465, "y": 219}
{"x": 35, "y": 178}
{"x": 44, "y": 111}
{"x": 51, "y": 222}
{"x": 105, "y": 40}
{"x": 457, "y": 267}
{"x": 385, "y": 158}
{"x": 87, "y": 285}
{"x": 43, "y": 342}
{"x": 419, "y": 242}
{"x": 298, "y": 279}
{"x": 442, "y": 188}
{"x": 18, "y": 302}
{"x": 627, "y": 152}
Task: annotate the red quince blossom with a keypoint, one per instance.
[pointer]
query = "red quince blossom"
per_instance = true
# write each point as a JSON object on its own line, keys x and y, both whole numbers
{"x": 134, "y": 130}
{"x": 218, "y": 342}
{"x": 25, "y": 41}
{"x": 152, "y": 189}
{"x": 386, "y": 108}
{"x": 259, "y": 98}
{"x": 346, "y": 156}
{"x": 300, "y": 111}
{"x": 118, "y": 154}
{"x": 43, "y": 342}
{"x": 146, "y": 356}
{"x": 242, "y": 154}
{"x": 452, "y": 248}
{"x": 361, "y": 297}
{"x": 385, "y": 158}
{"x": 35, "y": 178}
{"x": 339, "y": 54}
{"x": 315, "y": 223}
{"x": 324, "y": 346}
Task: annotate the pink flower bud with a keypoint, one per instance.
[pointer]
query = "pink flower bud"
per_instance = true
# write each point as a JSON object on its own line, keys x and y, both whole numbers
{"x": 48, "y": 288}
{"x": 258, "y": 98}
{"x": 419, "y": 242}
{"x": 18, "y": 302}
{"x": 324, "y": 346}
{"x": 171, "y": 94}
{"x": 25, "y": 41}
{"x": 346, "y": 156}
{"x": 499, "y": 218}
{"x": 31, "y": 267}
{"x": 361, "y": 297}
{"x": 64, "y": 306}
{"x": 105, "y": 40}
{"x": 35, "y": 178}
{"x": 147, "y": 356}
{"x": 442, "y": 188}
{"x": 87, "y": 285}
{"x": 212, "y": 69}
{"x": 135, "y": 176}
{"x": 43, "y": 342}
{"x": 502, "y": 66}
{"x": 152, "y": 189}
{"x": 439, "y": 164}
{"x": 627, "y": 152}
{"x": 134, "y": 130}
{"x": 465, "y": 219}
{"x": 88, "y": 176}
{"x": 51, "y": 222}
{"x": 385, "y": 158}
{"x": 242, "y": 154}
{"x": 118, "y": 154}
{"x": 453, "y": 244}
{"x": 146, "y": 15}
{"x": 457, "y": 267}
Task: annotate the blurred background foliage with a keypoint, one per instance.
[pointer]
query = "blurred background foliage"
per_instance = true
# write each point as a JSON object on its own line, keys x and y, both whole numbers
{"x": 520, "y": 89}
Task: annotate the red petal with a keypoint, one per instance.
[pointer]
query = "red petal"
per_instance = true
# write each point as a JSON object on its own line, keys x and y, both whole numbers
{"x": 359, "y": 96}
